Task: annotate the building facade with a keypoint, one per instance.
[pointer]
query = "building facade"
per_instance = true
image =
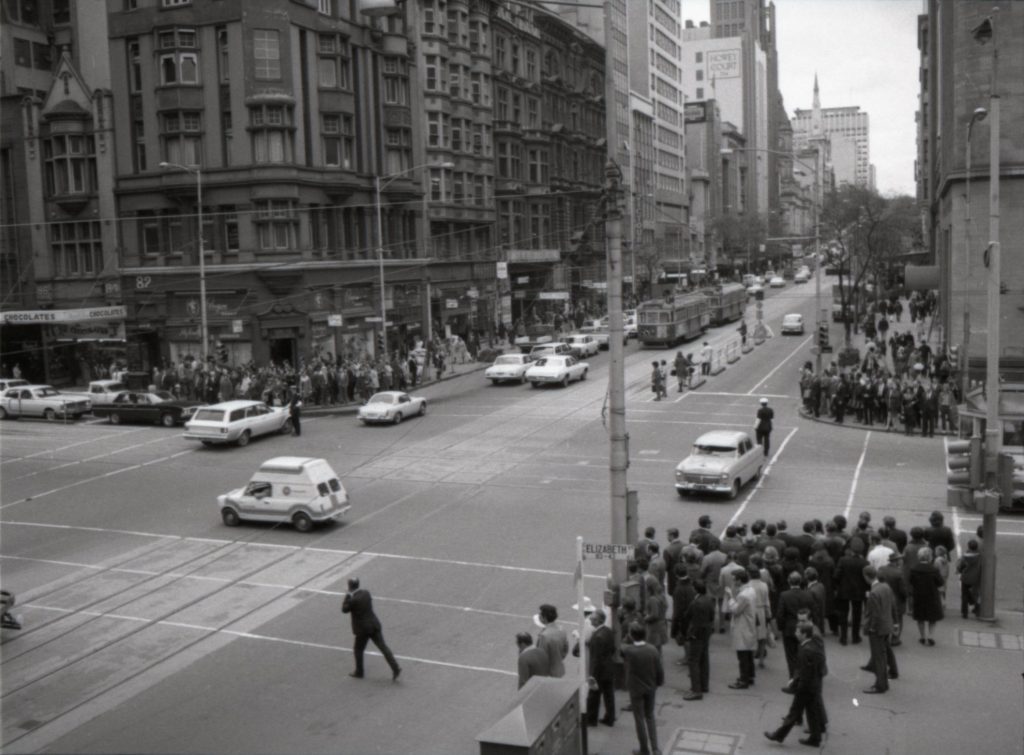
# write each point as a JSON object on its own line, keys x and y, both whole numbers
{"x": 848, "y": 128}
{"x": 956, "y": 203}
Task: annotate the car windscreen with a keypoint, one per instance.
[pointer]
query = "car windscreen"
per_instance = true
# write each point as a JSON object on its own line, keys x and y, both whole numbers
{"x": 209, "y": 415}
{"x": 382, "y": 398}
{"x": 44, "y": 392}
{"x": 706, "y": 450}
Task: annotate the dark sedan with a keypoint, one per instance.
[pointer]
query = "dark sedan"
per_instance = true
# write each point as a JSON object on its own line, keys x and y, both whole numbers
{"x": 147, "y": 406}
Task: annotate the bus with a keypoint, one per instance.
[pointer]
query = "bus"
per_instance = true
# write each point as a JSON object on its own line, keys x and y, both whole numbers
{"x": 677, "y": 317}
{"x": 727, "y": 301}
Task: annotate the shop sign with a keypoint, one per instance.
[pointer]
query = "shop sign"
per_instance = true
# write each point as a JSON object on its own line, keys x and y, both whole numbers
{"x": 553, "y": 295}
{"x": 236, "y": 326}
{"x": 695, "y": 112}
{"x": 451, "y": 303}
{"x": 185, "y": 334}
{"x": 34, "y": 316}
{"x": 334, "y": 321}
{"x": 88, "y": 331}
{"x": 524, "y": 279}
{"x": 473, "y": 293}
{"x": 501, "y": 271}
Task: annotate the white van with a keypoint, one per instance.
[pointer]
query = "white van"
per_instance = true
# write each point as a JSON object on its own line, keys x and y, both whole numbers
{"x": 287, "y": 489}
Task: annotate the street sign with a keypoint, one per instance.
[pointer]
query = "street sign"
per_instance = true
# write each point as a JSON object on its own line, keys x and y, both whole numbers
{"x": 334, "y": 321}
{"x": 502, "y": 270}
{"x": 236, "y": 326}
{"x": 451, "y": 303}
{"x": 606, "y": 551}
{"x": 373, "y": 319}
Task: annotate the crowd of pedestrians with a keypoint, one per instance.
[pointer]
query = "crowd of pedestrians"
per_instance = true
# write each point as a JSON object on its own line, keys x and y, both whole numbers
{"x": 899, "y": 383}
{"x": 766, "y": 587}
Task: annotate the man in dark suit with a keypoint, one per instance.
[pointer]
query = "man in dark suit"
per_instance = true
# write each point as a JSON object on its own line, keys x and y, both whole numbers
{"x": 804, "y": 541}
{"x": 703, "y": 537}
{"x": 672, "y": 557}
{"x": 791, "y": 602}
{"x": 810, "y": 669}
{"x": 644, "y": 674}
{"x": 601, "y": 670}
{"x": 366, "y": 627}
{"x": 532, "y": 660}
{"x": 898, "y": 536}
{"x": 879, "y": 620}
{"x": 850, "y": 588}
{"x": 700, "y": 625}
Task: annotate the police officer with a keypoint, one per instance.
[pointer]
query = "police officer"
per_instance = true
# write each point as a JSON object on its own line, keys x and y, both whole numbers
{"x": 295, "y": 412}
{"x": 765, "y": 415}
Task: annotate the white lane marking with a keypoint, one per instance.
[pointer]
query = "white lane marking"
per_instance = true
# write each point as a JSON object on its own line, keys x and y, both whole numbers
{"x": 742, "y": 395}
{"x": 92, "y": 458}
{"x": 70, "y": 445}
{"x": 856, "y": 476}
{"x": 760, "y": 482}
{"x": 425, "y": 559}
{"x": 87, "y": 480}
{"x": 957, "y": 529}
{"x": 776, "y": 368}
{"x": 283, "y": 640}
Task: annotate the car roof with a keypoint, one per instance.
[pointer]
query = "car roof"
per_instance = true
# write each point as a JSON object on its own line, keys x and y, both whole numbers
{"x": 35, "y": 385}
{"x": 229, "y": 405}
{"x": 291, "y": 464}
{"x": 722, "y": 438}
{"x": 389, "y": 393}
{"x": 106, "y": 382}
{"x": 792, "y": 315}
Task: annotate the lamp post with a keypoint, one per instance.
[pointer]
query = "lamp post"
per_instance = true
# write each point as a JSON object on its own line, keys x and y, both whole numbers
{"x": 977, "y": 116}
{"x": 379, "y": 184}
{"x": 203, "y": 334}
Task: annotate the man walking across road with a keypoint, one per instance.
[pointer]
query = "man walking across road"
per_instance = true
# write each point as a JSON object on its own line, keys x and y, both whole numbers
{"x": 810, "y": 669}
{"x": 644, "y": 674}
{"x": 763, "y": 429}
{"x": 366, "y": 627}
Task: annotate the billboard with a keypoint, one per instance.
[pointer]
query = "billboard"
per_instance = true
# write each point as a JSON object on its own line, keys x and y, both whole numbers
{"x": 723, "y": 64}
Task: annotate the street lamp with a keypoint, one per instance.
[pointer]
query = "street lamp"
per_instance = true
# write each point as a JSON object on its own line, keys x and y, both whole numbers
{"x": 978, "y": 115}
{"x": 379, "y": 185}
{"x": 203, "y": 334}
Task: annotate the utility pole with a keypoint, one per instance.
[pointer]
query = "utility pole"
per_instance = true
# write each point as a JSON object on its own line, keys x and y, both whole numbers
{"x": 993, "y": 423}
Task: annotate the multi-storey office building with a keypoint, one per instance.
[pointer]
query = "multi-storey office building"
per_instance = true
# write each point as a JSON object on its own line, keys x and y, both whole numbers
{"x": 841, "y": 125}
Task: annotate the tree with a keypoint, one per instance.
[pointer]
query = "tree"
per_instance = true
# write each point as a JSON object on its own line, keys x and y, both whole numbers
{"x": 648, "y": 259}
{"x": 865, "y": 233}
{"x": 740, "y": 233}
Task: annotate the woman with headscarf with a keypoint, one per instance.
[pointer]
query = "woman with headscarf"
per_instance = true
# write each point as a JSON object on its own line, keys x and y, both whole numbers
{"x": 925, "y": 589}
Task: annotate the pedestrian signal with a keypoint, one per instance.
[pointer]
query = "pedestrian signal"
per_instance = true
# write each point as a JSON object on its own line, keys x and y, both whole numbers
{"x": 965, "y": 463}
{"x": 954, "y": 358}
{"x": 222, "y": 353}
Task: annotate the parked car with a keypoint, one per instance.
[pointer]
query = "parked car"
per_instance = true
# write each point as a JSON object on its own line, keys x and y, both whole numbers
{"x": 41, "y": 401}
{"x": 722, "y": 461}
{"x": 777, "y": 281}
{"x": 802, "y": 276}
{"x": 754, "y": 289}
{"x": 391, "y": 406}
{"x": 236, "y": 422}
{"x": 6, "y": 383}
{"x": 793, "y": 323}
{"x": 147, "y": 406}
{"x": 556, "y": 369}
{"x": 582, "y": 344}
{"x": 293, "y": 489}
{"x": 508, "y": 368}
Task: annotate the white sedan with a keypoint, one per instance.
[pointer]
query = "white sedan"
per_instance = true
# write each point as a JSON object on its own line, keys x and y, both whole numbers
{"x": 391, "y": 406}
{"x": 802, "y": 276}
{"x": 556, "y": 369}
{"x": 722, "y": 461}
{"x": 793, "y": 323}
{"x": 508, "y": 367}
{"x": 584, "y": 344}
{"x": 754, "y": 289}
{"x": 777, "y": 282}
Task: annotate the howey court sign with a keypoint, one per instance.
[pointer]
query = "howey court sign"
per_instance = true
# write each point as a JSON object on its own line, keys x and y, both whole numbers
{"x": 51, "y": 316}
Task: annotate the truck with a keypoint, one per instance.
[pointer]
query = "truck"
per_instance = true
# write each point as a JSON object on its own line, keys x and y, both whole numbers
{"x": 536, "y": 335}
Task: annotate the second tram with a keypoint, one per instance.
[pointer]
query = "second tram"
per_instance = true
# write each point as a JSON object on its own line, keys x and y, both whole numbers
{"x": 727, "y": 302}
{"x": 678, "y": 317}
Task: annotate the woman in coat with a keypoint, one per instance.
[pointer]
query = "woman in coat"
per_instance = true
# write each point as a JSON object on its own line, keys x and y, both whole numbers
{"x": 743, "y": 606}
{"x": 925, "y": 583}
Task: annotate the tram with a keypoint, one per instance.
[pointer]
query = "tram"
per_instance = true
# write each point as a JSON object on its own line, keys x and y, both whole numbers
{"x": 677, "y": 317}
{"x": 727, "y": 302}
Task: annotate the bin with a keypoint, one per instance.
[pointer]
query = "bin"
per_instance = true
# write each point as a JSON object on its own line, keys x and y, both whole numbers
{"x": 542, "y": 719}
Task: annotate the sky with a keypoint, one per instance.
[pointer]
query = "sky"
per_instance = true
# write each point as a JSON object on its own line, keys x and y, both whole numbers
{"x": 865, "y": 53}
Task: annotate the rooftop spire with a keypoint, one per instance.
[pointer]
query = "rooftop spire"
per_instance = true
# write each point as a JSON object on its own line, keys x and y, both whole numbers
{"x": 816, "y": 109}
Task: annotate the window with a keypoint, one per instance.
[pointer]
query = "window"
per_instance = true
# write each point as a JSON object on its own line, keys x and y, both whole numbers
{"x": 324, "y": 7}
{"x": 501, "y": 109}
{"x": 700, "y": 74}
{"x": 514, "y": 59}
{"x": 398, "y": 150}
{"x": 434, "y": 135}
{"x": 70, "y": 165}
{"x": 29, "y": 54}
{"x": 134, "y": 66}
{"x": 396, "y": 81}
{"x": 175, "y": 3}
{"x": 338, "y": 141}
{"x": 276, "y": 224}
{"x": 228, "y": 236}
{"x": 266, "y": 50}
{"x": 138, "y": 133}
{"x": 500, "y": 52}
{"x": 178, "y": 65}
{"x": 537, "y": 160}
{"x": 272, "y": 133}
{"x": 700, "y": 93}
{"x": 531, "y": 65}
{"x": 22, "y": 11}
{"x": 700, "y": 56}
{"x": 334, "y": 62}
{"x": 223, "y": 55}
{"x": 509, "y": 160}
{"x": 181, "y": 137}
{"x": 77, "y": 248}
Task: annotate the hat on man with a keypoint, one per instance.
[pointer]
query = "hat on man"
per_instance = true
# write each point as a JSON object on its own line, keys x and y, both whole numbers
{"x": 764, "y": 401}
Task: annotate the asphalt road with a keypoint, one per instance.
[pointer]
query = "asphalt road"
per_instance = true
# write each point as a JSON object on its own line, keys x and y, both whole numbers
{"x": 151, "y": 627}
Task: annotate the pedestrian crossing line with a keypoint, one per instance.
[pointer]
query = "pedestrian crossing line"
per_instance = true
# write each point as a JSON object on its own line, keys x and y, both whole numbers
{"x": 760, "y": 481}
{"x": 64, "y": 448}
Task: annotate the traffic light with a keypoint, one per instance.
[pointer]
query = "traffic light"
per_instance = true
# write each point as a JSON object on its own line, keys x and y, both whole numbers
{"x": 222, "y": 353}
{"x": 954, "y": 358}
{"x": 380, "y": 344}
{"x": 965, "y": 463}
{"x": 823, "y": 344}
{"x": 1005, "y": 481}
